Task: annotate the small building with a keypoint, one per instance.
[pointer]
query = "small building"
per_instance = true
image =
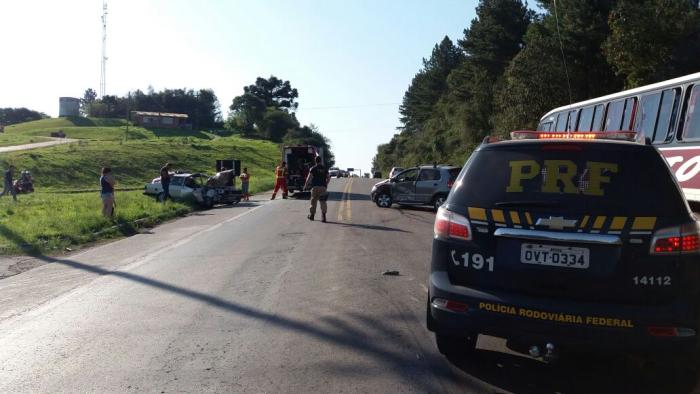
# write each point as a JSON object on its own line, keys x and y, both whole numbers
{"x": 160, "y": 120}
{"x": 68, "y": 106}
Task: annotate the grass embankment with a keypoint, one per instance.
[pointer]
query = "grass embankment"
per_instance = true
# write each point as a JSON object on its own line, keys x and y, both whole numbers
{"x": 52, "y": 219}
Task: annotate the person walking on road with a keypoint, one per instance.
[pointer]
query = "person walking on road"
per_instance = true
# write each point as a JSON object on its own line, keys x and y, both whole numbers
{"x": 9, "y": 188}
{"x": 280, "y": 180}
{"x": 318, "y": 181}
{"x": 165, "y": 181}
{"x": 245, "y": 180}
{"x": 107, "y": 192}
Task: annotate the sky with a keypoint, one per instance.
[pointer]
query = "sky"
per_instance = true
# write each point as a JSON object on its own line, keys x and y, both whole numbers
{"x": 351, "y": 61}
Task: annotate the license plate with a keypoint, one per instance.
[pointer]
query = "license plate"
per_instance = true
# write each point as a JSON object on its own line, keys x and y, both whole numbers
{"x": 556, "y": 256}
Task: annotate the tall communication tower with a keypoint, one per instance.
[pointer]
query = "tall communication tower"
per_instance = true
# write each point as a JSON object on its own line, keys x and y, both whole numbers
{"x": 103, "y": 70}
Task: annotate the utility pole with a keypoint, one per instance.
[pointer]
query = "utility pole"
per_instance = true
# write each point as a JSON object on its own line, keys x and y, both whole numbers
{"x": 128, "y": 114}
{"x": 103, "y": 71}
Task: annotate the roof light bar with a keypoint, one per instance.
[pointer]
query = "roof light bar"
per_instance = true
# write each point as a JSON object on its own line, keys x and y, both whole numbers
{"x": 574, "y": 135}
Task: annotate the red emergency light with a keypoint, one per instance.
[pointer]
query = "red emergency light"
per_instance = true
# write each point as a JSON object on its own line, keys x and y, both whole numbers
{"x": 574, "y": 135}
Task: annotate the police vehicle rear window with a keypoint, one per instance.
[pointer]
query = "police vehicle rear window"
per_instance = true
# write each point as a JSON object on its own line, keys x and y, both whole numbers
{"x": 606, "y": 178}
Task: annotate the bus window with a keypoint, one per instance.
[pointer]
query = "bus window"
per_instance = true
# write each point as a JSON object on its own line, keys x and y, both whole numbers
{"x": 667, "y": 115}
{"x": 562, "y": 120}
{"x": 585, "y": 119}
{"x": 691, "y": 128}
{"x": 614, "y": 119}
{"x": 597, "y": 117}
{"x": 630, "y": 105}
{"x": 571, "y": 124}
{"x": 547, "y": 124}
{"x": 649, "y": 110}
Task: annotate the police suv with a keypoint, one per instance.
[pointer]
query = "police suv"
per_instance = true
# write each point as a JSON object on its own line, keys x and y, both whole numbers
{"x": 566, "y": 240}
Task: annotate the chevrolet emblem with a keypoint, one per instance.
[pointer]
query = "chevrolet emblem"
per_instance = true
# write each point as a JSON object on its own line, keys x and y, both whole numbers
{"x": 556, "y": 223}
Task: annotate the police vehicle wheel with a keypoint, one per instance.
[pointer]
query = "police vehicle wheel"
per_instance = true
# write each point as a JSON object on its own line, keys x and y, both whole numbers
{"x": 455, "y": 345}
{"x": 208, "y": 203}
{"x": 384, "y": 200}
{"x": 438, "y": 201}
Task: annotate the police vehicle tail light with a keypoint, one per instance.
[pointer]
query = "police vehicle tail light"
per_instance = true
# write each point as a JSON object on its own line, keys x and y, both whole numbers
{"x": 597, "y": 135}
{"x": 454, "y": 306}
{"x": 451, "y": 225}
{"x": 683, "y": 239}
{"x": 662, "y": 331}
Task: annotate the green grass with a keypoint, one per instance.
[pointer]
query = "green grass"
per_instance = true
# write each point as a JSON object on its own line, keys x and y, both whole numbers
{"x": 55, "y": 124}
{"x": 52, "y": 218}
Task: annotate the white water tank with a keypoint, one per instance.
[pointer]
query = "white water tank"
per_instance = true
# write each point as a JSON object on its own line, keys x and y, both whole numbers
{"x": 68, "y": 106}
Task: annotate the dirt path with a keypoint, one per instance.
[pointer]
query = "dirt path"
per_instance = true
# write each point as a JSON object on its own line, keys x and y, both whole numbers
{"x": 54, "y": 141}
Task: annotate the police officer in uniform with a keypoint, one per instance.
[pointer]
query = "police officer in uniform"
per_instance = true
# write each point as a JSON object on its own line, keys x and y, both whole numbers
{"x": 318, "y": 181}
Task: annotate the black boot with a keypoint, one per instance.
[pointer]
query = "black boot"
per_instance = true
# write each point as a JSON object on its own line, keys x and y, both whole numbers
{"x": 323, "y": 218}
{"x": 310, "y": 217}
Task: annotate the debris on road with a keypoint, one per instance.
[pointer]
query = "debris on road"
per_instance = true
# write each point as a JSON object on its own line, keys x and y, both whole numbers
{"x": 391, "y": 273}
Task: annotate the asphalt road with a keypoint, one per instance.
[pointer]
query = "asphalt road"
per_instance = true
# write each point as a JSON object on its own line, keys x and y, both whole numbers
{"x": 256, "y": 298}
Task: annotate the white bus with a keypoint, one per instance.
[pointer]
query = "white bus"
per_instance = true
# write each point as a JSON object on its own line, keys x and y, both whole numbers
{"x": 666, "y": 114}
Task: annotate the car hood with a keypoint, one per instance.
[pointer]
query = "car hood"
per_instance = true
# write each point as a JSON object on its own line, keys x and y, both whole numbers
{"x": 381, "y": 183}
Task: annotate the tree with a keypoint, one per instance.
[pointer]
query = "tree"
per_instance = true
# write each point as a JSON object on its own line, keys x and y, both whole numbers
{"x": 309, "y": 135}
{"x": 493, "y": 39}
{"x": 9, "y": 116}
{"x": 246, "y": 111}
{"x": 653, "y": 40}
{"x": 537, "y": 80}
{"x": 202, "y": 107}
{"x": 249, "y": 110}
{"x": 534, "y": 83}
{"x": 428, "y": 85}
{"x": 88, "y": 99}
{"x": 276, "y": 123}
{"x": 275, "y": 93}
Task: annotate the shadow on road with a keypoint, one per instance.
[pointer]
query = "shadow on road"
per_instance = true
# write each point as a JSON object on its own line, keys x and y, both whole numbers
{"x": 378, "y": 339}
{"x": 339, "y": 196}
{"x": 392, "y": 352}
{"x": 369, "y": 227}
{"x": 334, "y": 196}
{"x": 577, "y": 373}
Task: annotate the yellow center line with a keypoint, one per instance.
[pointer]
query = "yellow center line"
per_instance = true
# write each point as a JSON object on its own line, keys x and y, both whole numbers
{"x": 348, "y": 202}
{"x": 344, "y": 210}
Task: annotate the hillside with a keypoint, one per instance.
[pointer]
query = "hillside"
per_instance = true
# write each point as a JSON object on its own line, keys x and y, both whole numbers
{"x": 55, "y": 217}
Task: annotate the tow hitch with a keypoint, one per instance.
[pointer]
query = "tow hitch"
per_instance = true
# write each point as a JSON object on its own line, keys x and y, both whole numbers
{"x": 551, "y": 353}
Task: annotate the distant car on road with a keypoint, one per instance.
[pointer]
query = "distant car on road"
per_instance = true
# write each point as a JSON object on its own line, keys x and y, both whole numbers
{"x": 394, "y": 171}
{"x": 377, "y": 174}
{"x": 549, "y": 243}
{"x": 334, "y": 173}
{"x": 424, "y": 185}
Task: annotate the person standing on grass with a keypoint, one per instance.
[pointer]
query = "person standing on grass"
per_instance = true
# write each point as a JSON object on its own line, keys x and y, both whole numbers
{"x": 318, "y": 181}
{"x": 245, "y": 181}
{"x": 107, "y": 192}
{"x": 165, "y": 181}
{"x": 8, "y": 183}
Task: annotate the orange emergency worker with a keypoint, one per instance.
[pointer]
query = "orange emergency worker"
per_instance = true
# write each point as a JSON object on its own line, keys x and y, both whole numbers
{"x": 280, "y": 180}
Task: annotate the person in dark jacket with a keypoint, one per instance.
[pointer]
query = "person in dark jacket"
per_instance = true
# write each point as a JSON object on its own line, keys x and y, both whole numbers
{"x": 107, "y": 192}
{"x": 8, "y": 183}
{"x": 165, "y": 181}
{"x": 317, "y": 180}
